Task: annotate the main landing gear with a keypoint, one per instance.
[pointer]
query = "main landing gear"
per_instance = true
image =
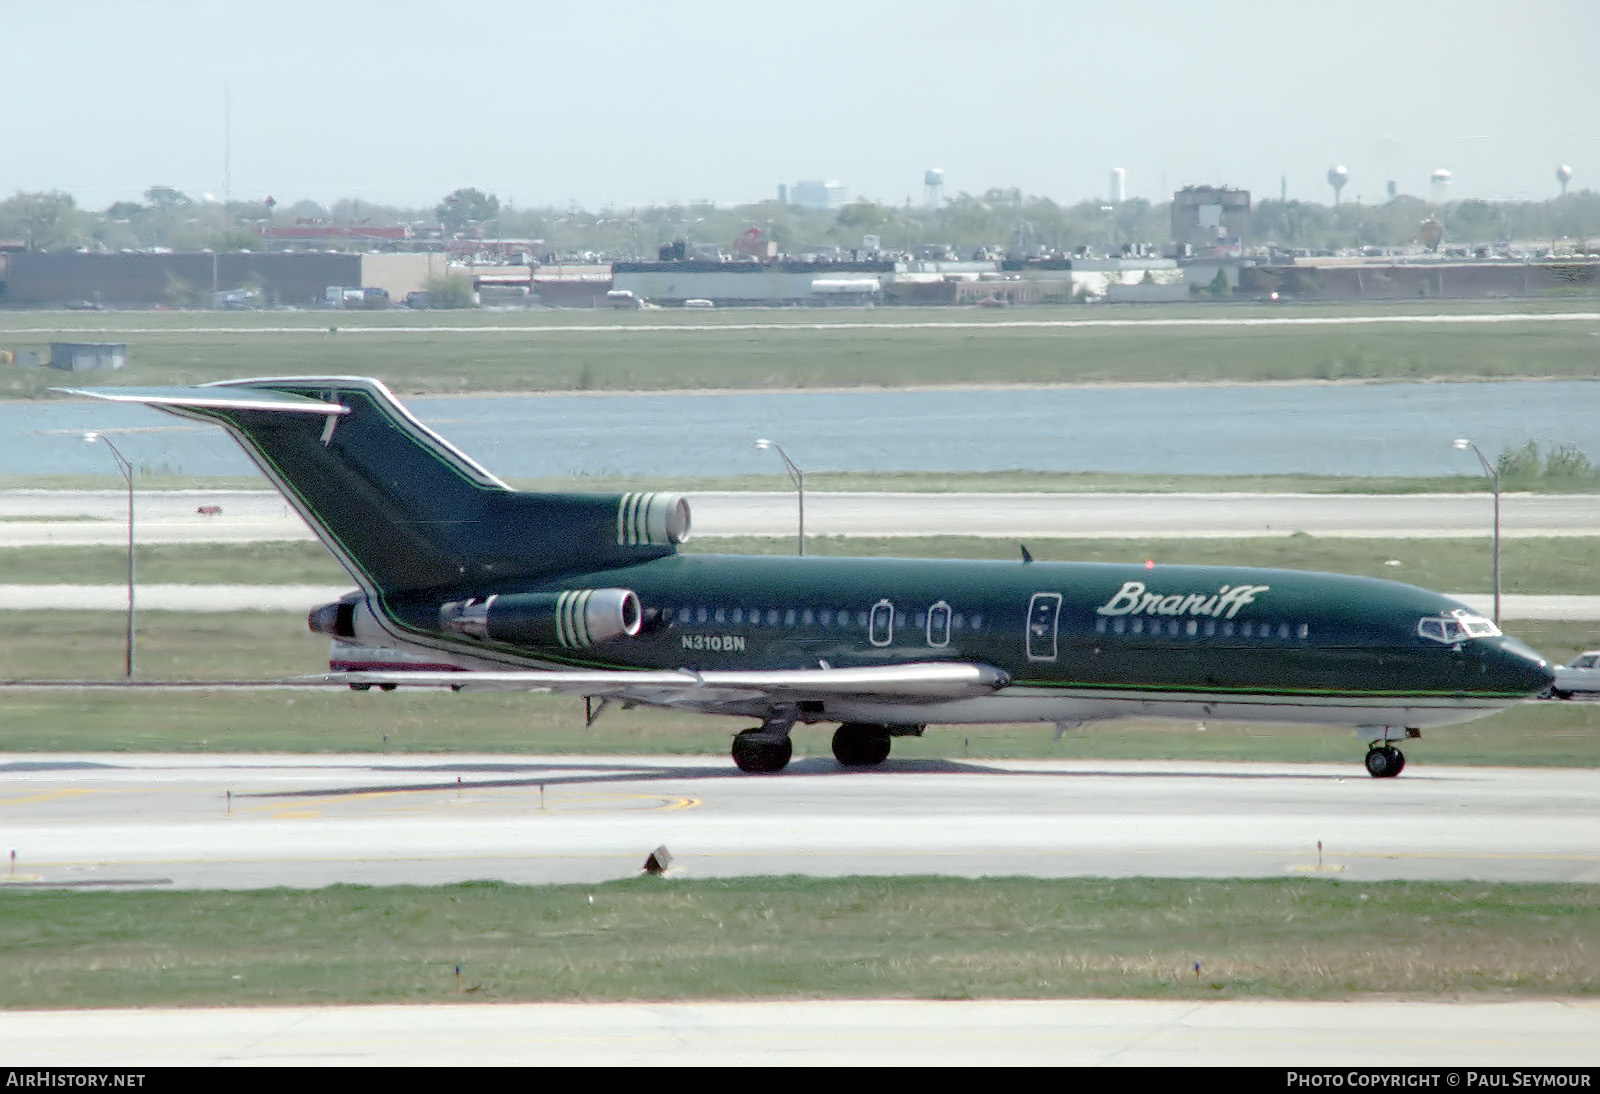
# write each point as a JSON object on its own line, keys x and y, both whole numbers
{"x": 765, "y": 750}
{"x": 861, "y": 744}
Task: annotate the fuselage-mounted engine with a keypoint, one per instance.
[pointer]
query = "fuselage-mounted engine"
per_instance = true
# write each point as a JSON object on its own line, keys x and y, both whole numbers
{"x": 572, "y": 619}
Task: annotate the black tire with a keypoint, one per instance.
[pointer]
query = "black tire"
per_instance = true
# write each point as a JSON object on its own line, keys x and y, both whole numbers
{"x": 360, "y": 687}
{"x": 1385, "y": 763}
{"x": 759, "y": 755}
{"x": 1557, "y": 693}
{"x": 861, "y": 744}
{"x": 387, "y": 687}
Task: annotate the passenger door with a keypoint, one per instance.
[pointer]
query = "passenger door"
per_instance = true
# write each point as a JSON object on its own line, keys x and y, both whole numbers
{"x": 1043, "y": 612}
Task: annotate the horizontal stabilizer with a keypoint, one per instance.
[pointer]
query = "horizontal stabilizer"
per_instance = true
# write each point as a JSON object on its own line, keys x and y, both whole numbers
{"x": 210, "y": 398}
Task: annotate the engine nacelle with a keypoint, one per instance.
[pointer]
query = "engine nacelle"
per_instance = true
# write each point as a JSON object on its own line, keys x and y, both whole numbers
{"x": 574, "y": 619}
{"x": 652, "y": 519}
{"x": 340, "y": 619}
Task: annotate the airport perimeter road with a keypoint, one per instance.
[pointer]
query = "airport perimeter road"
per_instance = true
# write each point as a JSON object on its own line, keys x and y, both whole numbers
{"x": 242, "y": 821}
{"x": 36, "y": 517}
{"x": 905, "y": 1033}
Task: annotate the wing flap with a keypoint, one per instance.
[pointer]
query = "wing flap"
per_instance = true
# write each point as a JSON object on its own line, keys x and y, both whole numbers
{"x": 937, "y": 680}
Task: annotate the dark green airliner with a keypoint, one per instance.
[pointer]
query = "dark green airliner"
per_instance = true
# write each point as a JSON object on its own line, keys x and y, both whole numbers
{"x": 475, "y": 584}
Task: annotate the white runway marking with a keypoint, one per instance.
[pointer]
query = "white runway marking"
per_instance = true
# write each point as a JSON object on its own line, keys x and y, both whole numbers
{"x": 902, "y": 1033}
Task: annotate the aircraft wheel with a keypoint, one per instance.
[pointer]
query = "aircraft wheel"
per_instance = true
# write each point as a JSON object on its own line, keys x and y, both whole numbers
{"x": 860, "y": 744}
{"x": 761, "y": 754}
{"x": 388, "y": 687}
{"x": 1385, "y": 763}
{"x": 1557, "y": 693}
{"x": 360, "y": 687}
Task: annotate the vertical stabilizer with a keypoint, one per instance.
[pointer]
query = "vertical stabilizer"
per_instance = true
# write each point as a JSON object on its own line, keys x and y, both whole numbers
{"x": 402, "y": 507}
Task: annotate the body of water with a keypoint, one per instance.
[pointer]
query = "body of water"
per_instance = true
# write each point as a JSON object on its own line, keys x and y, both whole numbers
{"x": 1357, "y": 429}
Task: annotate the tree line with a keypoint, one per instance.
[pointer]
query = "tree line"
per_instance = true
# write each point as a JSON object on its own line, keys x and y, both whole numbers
{"x": 1002, "y": 220}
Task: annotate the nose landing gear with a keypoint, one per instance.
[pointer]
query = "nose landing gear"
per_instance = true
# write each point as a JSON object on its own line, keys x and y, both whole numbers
{"x": 1385, "y": 762}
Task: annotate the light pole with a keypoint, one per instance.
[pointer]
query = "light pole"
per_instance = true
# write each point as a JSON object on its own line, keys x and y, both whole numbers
{"x": 1493, "y": 472}
{"x": 127, "y": 472}
{"x": 799, "y": 485}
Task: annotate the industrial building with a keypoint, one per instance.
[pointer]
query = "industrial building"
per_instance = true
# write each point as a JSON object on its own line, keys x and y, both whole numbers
{"x": 1211, "y": 218}
{"x": 734, "y": 283}
{"x": 150, "y": 278}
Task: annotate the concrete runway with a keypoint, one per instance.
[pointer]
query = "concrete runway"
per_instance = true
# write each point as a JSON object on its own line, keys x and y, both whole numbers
{"x": 307, "y": 821}
{"x": 76, "y": 517}
{"x": 1450, "y": 1036}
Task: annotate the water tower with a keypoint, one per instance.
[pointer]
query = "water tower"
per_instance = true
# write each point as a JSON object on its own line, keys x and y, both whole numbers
{"x": 1337, "y": 177}
{"x": 1440, "y": 182}
{"x": 933, "y": 188}
{"x": 1564, "y": 176}
{"x": 1119, "y": 185}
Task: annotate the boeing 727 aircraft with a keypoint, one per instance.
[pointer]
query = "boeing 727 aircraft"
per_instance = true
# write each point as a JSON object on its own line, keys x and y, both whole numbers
{"x": 588, "y": 594}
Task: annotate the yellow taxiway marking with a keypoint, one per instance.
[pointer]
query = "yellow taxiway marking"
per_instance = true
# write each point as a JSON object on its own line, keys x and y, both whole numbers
{"x": 474, "y": 798}
{"x": 468, "y": 797}
{"x": 46, "y": 796}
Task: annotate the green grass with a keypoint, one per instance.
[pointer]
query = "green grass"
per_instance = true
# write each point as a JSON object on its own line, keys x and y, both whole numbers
{"x": 796, "y": 938}
{"x": 1550, "y": 565}
{"x": 171, "y": 645}
{"x": 270, "y": 563}
{"x": 541, "y": 357}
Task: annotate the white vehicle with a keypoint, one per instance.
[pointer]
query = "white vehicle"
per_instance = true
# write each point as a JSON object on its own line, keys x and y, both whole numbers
{"x": 1580, "y": 676}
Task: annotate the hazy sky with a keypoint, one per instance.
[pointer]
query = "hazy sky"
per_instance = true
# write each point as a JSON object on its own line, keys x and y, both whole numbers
{"x": 622, "y": 102}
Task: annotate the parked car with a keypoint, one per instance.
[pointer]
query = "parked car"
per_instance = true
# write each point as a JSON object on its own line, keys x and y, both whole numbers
{"x": 1580, "y": 676}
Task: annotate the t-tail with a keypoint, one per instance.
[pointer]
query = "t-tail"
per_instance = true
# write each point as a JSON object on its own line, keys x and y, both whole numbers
{"x": 402, "y": 508}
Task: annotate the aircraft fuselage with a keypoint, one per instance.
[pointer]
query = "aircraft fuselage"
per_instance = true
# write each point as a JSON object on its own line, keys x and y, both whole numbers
{"x": 1077, "y": 640}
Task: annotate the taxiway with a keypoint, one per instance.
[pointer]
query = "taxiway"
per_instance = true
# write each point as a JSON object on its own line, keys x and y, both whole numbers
{"x": 251, "y": 821}
{"x": 98, "y": 517}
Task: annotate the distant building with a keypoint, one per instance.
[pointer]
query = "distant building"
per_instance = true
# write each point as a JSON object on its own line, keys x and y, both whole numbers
{"x": 812, "y": 194}
{"x": 143, "y": 279}
{"x": 1211, "y": 218}
{"x": 88, "y": 356}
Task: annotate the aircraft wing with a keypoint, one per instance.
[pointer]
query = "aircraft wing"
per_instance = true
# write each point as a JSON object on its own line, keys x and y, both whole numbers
{"x": 682, "y": 687}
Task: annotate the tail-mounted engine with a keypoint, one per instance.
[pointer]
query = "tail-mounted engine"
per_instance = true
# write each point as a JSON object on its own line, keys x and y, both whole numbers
{"x": 573, "y": 619}
{"x": 652, "y": 519}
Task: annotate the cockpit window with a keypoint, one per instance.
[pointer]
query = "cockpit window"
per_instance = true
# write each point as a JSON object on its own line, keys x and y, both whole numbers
{"x": 1456, "y": 626}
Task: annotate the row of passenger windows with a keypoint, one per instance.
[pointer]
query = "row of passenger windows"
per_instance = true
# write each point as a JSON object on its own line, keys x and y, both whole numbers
{"x": 1195, "y": 628}
{"x": 944, "y": 618}
{"x": 824, "y": 617}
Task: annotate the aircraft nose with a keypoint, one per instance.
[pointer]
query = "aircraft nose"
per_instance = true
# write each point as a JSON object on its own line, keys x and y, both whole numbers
{"x": 1518, "y": 668}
